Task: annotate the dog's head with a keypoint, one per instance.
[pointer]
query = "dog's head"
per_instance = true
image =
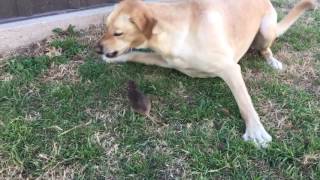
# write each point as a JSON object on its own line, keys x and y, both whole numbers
{"x": 128, "y": 26}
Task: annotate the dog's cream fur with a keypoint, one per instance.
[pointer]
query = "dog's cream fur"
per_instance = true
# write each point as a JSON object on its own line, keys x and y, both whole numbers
{"x": 201, "y": 38}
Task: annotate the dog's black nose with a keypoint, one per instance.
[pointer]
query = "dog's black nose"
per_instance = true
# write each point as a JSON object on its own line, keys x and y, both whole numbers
{"x": 99, "y": 48}
{"x": 112, "y": 55}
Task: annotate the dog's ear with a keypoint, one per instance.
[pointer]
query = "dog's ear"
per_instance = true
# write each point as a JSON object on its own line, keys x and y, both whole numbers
{"x": 144, "y": 21}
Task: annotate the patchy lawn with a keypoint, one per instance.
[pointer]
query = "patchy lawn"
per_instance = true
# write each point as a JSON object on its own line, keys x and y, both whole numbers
{"x": 64, "y": 114}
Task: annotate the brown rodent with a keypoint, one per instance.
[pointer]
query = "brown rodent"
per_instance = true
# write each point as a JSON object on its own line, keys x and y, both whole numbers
{"x": 139, "y": 102}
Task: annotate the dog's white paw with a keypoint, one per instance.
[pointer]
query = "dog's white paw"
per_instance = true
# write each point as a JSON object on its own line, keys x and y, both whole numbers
{"x": 105, "y": 59}
{"x": 258, "y": 135}
{"x": 119, "y": 59}
{"x": 273, "y": 62}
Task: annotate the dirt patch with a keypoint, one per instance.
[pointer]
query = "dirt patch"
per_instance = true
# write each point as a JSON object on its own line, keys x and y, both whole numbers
{"x": 276, "y": 117}
{"x": 63, "y": 72}
{"x": 6, "y": 77}
{"x": 108, "y": 142}
{"x": 32, "y": 116}
{"x": 62, "y": 172}
{"x": 109, "y": 114}
{"x": 11, "y": 172}
{"x": 300, "y": 70}
{"x": 91, "y": 35}
{"x": 175, "y": 168}
{"x": 310, "y": 159}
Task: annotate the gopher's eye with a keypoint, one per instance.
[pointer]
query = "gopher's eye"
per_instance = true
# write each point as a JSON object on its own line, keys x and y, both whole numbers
{"x": 117, "y": 34}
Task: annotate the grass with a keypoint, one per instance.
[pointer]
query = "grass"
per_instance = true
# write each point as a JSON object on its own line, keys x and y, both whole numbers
{"x": 67, "y": 116}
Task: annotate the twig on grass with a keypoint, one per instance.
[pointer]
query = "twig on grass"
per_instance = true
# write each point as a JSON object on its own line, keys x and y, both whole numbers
{"x": 1, "y": 123}
{"x": 76, "y": 127}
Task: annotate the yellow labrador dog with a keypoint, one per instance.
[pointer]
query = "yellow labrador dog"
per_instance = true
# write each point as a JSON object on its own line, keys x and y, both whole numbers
{"x": 201, "y": 38}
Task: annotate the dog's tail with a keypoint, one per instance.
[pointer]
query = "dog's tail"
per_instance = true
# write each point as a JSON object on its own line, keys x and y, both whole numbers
{"x": 294, "y": 14}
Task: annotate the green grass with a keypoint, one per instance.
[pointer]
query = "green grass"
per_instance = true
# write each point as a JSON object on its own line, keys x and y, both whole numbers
{"x": 86, "y": 129}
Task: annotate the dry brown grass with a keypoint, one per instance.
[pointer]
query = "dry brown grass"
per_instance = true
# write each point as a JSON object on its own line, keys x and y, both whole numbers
{"x": 6, "y": 77}
{"x": 309, "y": 159}
{"x": 300, "y": 68}
{"x": 176, "y": 168}
{"x": 91, "y": 35}
{"x": 62, "y": 172}
{"x": 109, "y": 114}
{"x": 8, "y": 170}
{"x": 275, "y": 117}
{"x": 63, "y": 72}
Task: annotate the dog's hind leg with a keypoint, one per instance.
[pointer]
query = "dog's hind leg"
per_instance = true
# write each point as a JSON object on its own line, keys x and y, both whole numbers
{"x": 265, "y": 37}
{"x": 270, "y": 29}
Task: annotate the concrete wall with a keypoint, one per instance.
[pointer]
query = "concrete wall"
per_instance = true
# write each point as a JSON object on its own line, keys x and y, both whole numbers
{"x": 22, "y": 33}
{"x": 25, "y": 8}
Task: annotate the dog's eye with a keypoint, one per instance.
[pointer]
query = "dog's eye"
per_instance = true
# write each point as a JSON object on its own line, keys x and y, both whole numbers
{"x": 117, "y": 34}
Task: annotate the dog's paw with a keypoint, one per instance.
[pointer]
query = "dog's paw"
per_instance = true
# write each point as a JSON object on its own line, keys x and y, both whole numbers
{"x": 274, "y": 63}
{"x": 105, "y": 59}
{"x": 119, "y": 59}
{"x": 258, "y": 135}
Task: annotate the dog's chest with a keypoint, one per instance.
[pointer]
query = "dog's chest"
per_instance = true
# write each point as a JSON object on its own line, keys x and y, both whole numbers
{"x": 188, "y": 67}
{"x": 186, "y": 55}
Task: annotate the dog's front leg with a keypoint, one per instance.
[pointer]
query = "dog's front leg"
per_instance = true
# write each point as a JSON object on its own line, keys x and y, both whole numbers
{"x": 139, "y": 57}
{"x": 149, "y": 59}
{"x": 119, "y": 59}
{"x": 254, "y": 129}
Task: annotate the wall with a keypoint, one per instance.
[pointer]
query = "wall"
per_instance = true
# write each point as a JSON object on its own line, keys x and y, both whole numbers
{"x": 21, "y": 8}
